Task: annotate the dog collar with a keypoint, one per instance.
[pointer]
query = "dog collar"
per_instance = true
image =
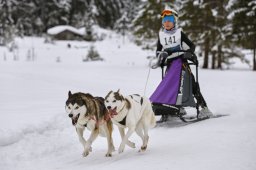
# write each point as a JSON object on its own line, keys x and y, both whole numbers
{"x": 121, "y": 108}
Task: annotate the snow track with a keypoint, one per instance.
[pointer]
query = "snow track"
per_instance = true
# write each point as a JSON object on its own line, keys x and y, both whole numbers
{"x": 36, "y": 133}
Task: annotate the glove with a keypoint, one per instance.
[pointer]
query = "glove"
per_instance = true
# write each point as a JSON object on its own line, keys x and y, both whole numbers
{"x": 190, "y": 56}
{"x": 161, "y": 55}
{"x": 168, "y": 51}
{"x": 187, "y": 55}
{"x": 154, "y": 62}
{"x": 158, "y": 53}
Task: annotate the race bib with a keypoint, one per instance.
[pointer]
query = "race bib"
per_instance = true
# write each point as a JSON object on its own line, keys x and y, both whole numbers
{"x": 170, "y": 40}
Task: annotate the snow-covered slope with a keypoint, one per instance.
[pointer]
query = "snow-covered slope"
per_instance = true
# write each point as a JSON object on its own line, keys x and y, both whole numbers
{"x": 36, "y": 133}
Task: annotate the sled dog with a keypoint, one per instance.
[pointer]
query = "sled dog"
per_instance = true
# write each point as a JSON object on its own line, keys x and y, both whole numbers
{"x": 134, "y": 112}
{"x": 90, "y": 112}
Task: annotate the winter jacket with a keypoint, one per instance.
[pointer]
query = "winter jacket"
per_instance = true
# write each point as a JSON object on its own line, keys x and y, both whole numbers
{"x": 171, "y": 41}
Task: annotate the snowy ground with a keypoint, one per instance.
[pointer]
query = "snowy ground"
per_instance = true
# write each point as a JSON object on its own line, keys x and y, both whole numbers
{"x": 36, "y": 133}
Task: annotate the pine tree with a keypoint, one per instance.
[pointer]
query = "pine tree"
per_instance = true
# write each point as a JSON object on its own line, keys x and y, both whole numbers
{"x": 129, "y": 11}
{"x": 6, "y": 21}
{"x": 198, "y": 22}
{"x": 54, "y": 13}
{"x": 210, "y": 28}
{"x": 148, "y": 22}
{"x": 108, "y": 12}
{"x": 220, "y": 33}
{"x": 24, "y": 18}
{"x": 244, "y": 25}
{"x": 76, "y": 12}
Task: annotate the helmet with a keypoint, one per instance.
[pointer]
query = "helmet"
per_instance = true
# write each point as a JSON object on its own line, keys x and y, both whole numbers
{"x": 170, "y": 13}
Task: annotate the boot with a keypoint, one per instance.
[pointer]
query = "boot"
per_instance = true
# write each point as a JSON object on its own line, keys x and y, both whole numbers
{"x": 183, "y": 111}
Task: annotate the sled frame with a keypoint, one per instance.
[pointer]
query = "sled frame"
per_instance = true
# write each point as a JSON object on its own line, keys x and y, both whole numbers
{"x": 174, "y": 110}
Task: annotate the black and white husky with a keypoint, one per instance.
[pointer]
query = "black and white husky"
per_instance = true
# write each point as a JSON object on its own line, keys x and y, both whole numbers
{"x": 134, "y": 112}
{"x": 90, "y": 112}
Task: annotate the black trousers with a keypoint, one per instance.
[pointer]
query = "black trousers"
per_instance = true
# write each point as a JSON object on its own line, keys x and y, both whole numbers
{"x": 197, "y": 92}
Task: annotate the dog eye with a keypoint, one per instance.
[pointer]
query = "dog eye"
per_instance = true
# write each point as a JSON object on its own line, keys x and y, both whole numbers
{"x": 114, "y": 101}
{"x": 76, "y": 107}
{"x": 69, "y": 107}
{"x": 106, "y": 101}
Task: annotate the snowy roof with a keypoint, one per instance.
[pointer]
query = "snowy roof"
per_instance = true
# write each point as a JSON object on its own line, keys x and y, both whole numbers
{"x": 95, "y": 29}
{"x": 60, "y": 28}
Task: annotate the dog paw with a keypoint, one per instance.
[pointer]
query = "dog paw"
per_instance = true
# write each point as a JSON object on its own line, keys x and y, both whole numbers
{"x": 121, "y": 147}
{"x": 120, "y": 150}
{"x": 87, "y": 147}
{"x": 143, "y": 148}
{"x": 85, "y": 153}
{"x": 108, "y": 155}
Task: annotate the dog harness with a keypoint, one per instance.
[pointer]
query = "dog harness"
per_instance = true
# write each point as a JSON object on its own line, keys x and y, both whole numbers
{"x": 141, "y": 98}
{"x": 123, "y": 122}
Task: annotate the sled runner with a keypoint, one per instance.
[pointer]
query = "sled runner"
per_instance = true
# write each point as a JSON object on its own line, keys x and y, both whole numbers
{"x": 178, "y": 88}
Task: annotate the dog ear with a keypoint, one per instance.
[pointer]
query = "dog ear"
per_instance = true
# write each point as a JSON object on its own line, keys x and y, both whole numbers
{"x": 69, "y": 93}
{"x": 118, "y": 91}
{"x": 108, "y": 94}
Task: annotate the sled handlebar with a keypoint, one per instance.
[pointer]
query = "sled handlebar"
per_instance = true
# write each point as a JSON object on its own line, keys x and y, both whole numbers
{"x": 192, "y": 57}
{"x": 185, "y": 51}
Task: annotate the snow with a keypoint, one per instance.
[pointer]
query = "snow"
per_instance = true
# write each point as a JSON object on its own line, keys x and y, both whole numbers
{"x": 61, "y": 28}
{"x": 36, "y": 133}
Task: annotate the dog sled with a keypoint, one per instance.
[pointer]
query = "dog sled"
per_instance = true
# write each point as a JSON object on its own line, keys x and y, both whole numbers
{"x": 178, "y": 88}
